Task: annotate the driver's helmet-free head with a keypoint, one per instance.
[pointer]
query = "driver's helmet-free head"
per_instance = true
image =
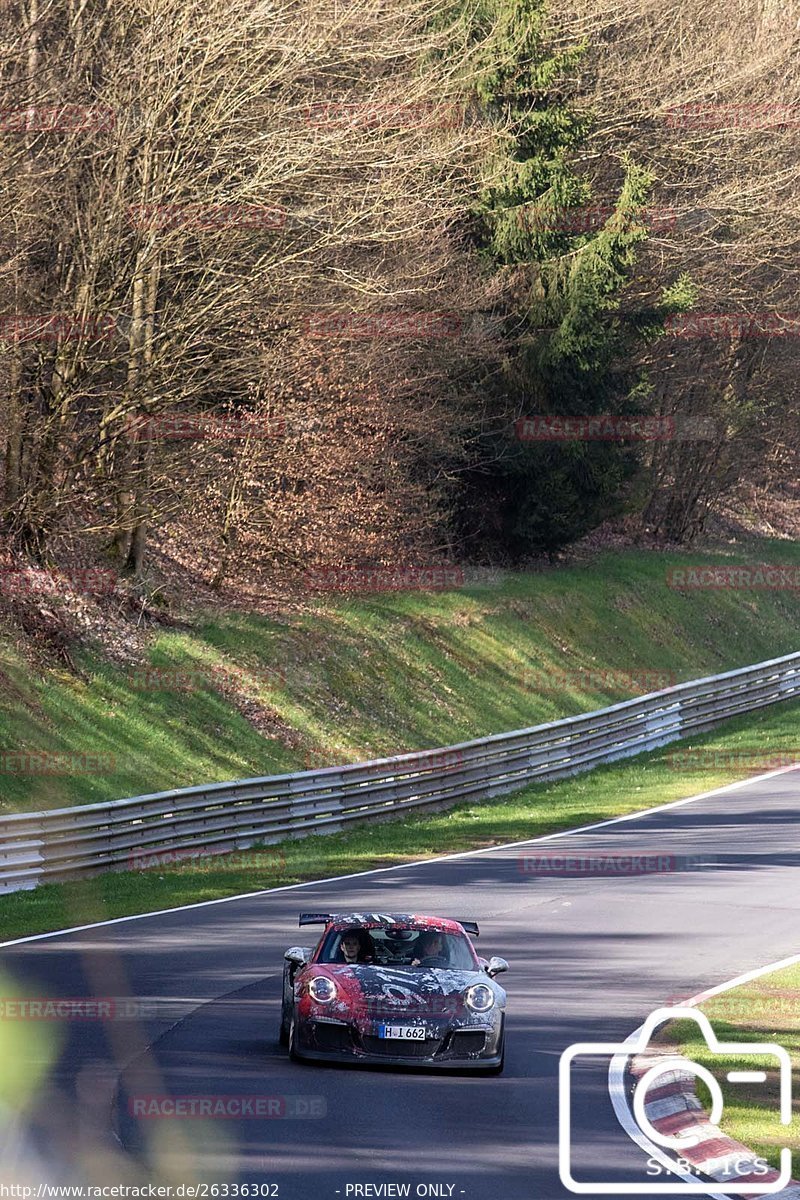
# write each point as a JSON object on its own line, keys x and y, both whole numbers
{"x": 430, "y": 945}
{"x": 355, "y": 946}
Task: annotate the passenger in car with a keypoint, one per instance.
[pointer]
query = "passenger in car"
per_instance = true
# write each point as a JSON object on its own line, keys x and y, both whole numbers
{"x": 355, "y": 947}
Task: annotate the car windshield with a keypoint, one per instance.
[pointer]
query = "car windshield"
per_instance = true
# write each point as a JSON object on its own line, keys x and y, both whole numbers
{"x": 399, "y": 947}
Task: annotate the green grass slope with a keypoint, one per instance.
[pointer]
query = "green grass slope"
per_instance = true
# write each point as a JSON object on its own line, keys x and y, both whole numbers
{"x": 354, "y": 677}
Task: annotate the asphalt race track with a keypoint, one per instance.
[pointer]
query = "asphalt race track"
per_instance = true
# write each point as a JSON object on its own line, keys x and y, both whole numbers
{"x": 591, "y": 955}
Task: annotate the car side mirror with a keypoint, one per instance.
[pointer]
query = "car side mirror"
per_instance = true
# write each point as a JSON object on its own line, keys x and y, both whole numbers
{"x": 298, "y": 956}
{"x": 495, "y": 966}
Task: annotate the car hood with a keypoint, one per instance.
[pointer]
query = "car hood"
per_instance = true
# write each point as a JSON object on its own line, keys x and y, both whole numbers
{"x": 392, "y": 981}
{"x": 366, "y": 992}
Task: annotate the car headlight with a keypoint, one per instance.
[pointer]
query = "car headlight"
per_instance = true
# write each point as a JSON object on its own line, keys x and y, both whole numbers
{"x": 479, "y": 997}
{"x": 322, "y": 989}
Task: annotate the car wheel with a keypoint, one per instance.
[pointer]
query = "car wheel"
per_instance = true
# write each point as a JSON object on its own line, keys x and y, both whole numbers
{"x": 293, "y": 1055}
{"x": 283, "y": 1036}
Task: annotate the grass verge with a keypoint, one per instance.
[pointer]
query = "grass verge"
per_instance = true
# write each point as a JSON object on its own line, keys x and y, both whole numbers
{"x": 762, "y": 739}
{"x": 765, "y": 1010}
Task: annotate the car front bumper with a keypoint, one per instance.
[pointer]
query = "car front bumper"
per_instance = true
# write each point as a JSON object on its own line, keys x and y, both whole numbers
{"x": 444, "y": 1047}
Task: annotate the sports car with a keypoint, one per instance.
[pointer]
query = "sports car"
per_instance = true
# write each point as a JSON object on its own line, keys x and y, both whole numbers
{"x": 393, "y": 988}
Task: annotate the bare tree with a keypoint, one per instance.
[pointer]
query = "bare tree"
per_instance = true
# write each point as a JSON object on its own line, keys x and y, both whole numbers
{"x": 189, "y": 184}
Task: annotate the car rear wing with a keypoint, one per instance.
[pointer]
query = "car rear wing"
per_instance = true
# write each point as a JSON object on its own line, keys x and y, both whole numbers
{"x": 315, "y": 918}
{"x": 318, "y": 918}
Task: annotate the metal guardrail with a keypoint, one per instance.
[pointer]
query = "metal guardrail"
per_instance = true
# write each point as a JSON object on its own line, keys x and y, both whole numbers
{"x": 68, "y": 843}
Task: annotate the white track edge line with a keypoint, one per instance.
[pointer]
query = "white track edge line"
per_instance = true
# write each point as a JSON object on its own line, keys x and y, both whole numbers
{"x": 288, "y": 887}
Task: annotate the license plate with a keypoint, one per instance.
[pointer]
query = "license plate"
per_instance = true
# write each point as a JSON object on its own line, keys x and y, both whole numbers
{"x": 403, "y": 1033}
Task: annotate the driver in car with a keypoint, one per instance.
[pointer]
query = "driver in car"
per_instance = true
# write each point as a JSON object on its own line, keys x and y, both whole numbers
{"x": 430, "y": 951}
